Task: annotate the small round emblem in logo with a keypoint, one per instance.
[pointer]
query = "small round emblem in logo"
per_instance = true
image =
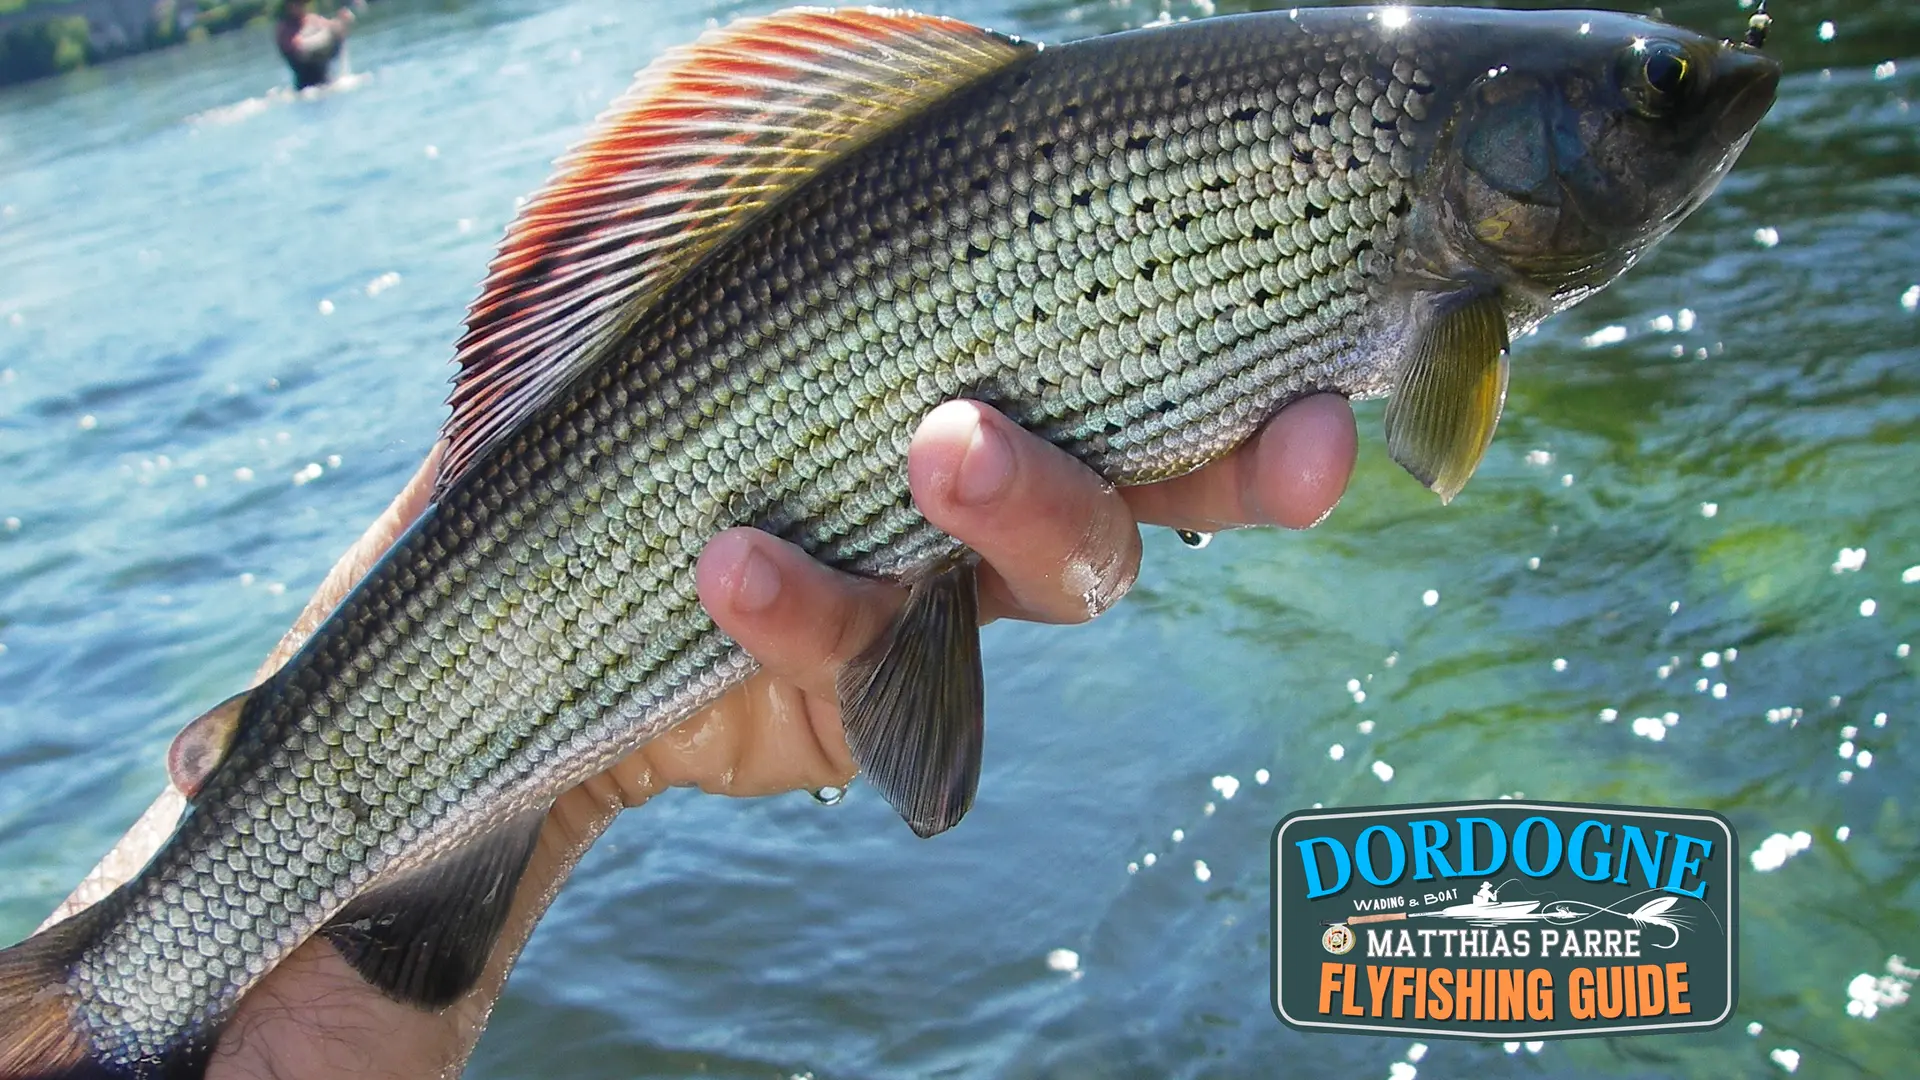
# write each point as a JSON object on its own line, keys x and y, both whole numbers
{"x": 1338, "y": 939}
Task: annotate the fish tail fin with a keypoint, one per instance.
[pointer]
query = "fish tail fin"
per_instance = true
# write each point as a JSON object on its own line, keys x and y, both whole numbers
{"x": 42, "y": 1036}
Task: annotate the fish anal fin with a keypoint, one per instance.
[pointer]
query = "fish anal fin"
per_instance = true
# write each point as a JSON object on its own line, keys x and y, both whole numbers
{"x": 1452, "y": 385}
{"x": 913, "y": 702}
{"x": 203, "y": 744}
{"x": 424, "y": 935}
{"x": 708, "y": 135}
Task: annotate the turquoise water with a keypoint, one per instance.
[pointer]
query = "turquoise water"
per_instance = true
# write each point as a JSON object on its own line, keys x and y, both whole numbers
{"x": 224, "y": 321}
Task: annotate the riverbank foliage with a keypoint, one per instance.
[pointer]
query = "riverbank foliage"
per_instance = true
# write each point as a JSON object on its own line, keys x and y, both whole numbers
{"x": 63, "y": 40}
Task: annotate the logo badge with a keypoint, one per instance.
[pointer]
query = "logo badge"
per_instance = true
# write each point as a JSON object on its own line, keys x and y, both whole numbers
{"x": 1504, "y": 920}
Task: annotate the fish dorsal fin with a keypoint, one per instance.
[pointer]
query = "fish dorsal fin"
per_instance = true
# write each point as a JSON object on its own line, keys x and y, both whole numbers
{"x": 708, "y": 135}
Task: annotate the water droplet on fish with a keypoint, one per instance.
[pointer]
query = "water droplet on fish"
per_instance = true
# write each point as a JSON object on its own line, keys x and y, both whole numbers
{"x": 829, "y": 795}
{"x": 1193, "y": 539}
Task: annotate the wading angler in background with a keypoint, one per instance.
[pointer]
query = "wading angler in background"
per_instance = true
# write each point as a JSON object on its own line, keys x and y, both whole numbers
{"x": 310, "y": 43}
{"x": 784, "y": 249}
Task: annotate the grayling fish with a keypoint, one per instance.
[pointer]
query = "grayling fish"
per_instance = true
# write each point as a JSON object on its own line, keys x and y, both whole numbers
{"x": 732, "y": 306}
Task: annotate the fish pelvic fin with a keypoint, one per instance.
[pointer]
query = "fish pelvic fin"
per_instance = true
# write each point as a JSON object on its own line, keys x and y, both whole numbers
{"x": 1447, "y": 401}
{"x": 425, "y": 935}
{"x": 913, "y": 703}
{"x": 708, "y": 136}
{"x": 42, "y": 1036}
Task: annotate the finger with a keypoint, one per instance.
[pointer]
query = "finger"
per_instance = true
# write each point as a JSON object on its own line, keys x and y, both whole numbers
{"x": 1291, "y": 474}
{"x": 1059, "y": 545}
{"x": 799, "y": 619}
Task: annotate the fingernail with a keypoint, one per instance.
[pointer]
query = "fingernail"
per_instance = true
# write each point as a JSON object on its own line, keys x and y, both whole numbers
{"x": 757, "y": 584}
{"x": 985, "y": 468}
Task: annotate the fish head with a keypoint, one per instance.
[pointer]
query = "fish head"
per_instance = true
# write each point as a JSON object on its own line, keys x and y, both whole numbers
{"x": 1579, "y": 145}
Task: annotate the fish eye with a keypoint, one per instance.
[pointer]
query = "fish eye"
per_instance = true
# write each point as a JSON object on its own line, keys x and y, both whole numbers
{"x": 1654, "y": 76}
{"x": 1665, "y": 69}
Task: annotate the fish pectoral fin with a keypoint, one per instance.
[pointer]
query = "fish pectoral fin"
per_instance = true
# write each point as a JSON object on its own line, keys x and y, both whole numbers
{"x": 1447, "y": 401}
{"x": 912, "y": 703}
{"x": 203, "y": 744}
{"x": 424, "y": 935}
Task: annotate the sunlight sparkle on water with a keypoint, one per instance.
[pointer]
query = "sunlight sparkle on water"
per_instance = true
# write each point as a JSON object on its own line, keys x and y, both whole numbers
{"x": 1654, "y": 728}
{"x": 1606, "y": 335}
{"x": 1775, "y": 850}
{"x": 1868, "y": 993}
{"x": 1786, "y": 1058}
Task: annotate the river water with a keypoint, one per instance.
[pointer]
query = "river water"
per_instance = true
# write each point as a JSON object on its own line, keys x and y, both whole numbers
{"x": 1681, "y": 577}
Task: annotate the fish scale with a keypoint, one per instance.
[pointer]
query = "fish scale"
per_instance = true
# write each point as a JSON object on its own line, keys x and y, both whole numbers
{"x": 1139, "y": 247}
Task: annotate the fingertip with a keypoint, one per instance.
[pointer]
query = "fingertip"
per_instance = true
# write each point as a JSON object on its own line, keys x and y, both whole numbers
{"x": 1303, "y": 461}
{"x": 959, "y": 457}
{"x": 734, "y": 576}
{"x": 798, "y": 618}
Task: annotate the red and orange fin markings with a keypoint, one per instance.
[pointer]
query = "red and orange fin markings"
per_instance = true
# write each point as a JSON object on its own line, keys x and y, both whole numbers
{"x": 707, "y": 136}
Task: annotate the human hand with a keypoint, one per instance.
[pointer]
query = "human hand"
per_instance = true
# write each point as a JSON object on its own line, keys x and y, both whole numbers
{"x": 1057, "y": 545}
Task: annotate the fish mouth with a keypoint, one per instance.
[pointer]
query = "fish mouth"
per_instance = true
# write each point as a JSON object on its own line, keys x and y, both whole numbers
{"x": 1749, "y": 80}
